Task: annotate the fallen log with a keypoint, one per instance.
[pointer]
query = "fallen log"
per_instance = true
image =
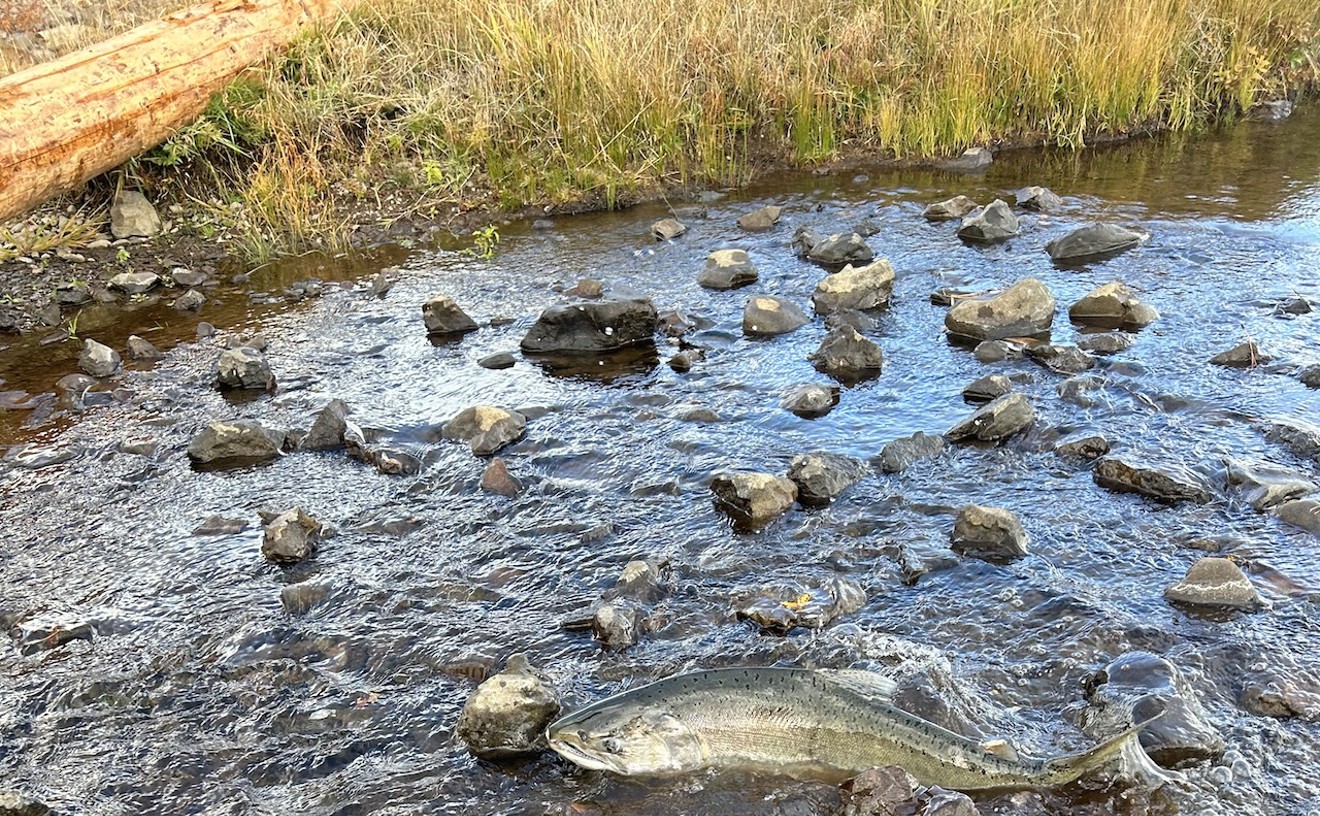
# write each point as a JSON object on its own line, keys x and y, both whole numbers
{"x": 66, "y": 121}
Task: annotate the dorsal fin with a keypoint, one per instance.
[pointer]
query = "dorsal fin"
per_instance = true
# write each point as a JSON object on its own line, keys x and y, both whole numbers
{"x": 1001, "y": 748}
{"x": 873, "y": 686}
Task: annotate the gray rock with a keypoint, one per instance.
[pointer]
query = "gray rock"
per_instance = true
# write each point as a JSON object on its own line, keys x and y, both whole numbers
{"x": 884, "y": 791}
{"x": 508, "y": 713}
{"x": 299, "y": 598}
{"x": 189, "y": 301}
{"x": 810, "y": 400}
{"x": 290, "y": 537}
{"x": 31, "y": 641}
{"x": 442, "y": 315}
{"x": 486, "y": 428}
{"x": 98, "y": 359}
{"x": 762, "y": 219}
{"x": 972, "y": 160}
{"x": 588, "y": 288}
{"x": 822, "y": 476}
{"x": 997, "y": 351}
{"x": 804, "y": 238}
{"x": 1275, "y": 110}
{"x": 950, "y": 209}
{"x": 239, "y": 441}
{"x": 855, "y": 320}
{"x": 1292, "y": 306}
{"x": 328, "y": 427}
{"x": 616, "y": 624}
{"x": 497, "y": 479}
{"x": 1215, "y": 581}
{"x": 640, "y": 580}
{"x": 847, "y": 356}
{"x": 1243, "y": 355}
{"x": 684, "y": 360}
{"x": 13, "y": 803}
{"x": 1040, "y": 199}
{"x": 667, "y": 229}
{"x": 727, "y": 269}
{"x": 1298, "y": 435}
{"x": 987, "y": 388}
{"x": 780, "y": 610}
{"x": 839, "y": 249}
{"x": 132, "y": 216}
{"x": 1165, "y": 483}
{"x": 74, "y": 385}
{"x": 1025, "y": 308}
{"x": 897, "y": 455}
{"x": 244, "y": 367}
{"x": 756, "y": 498}
{"x": 1082, "y": 446}
{"x": 72, "y": 294}
{"x": 1108, "y": 343}
{"x": 856, "y": 288}
{"x": 1061, "y": 358}
{"x": 187, "y": 277}
{"x": 134, "y": 283}
{"x": 989, "y": 532}
{"x": 1081, "y": 391}
{"x": 767, "y": 316}
{"x": 497, "y": 361}
{"x": 1265, "y": 486}
{"x": 1093, "y": 241}
{"x": 1310, "y": 376}
{"x": 593, "y": 328}
{"x": 993, "y": 222}
{"x": 940, "y": 802}
{"x": 1303, "y": 513}
{"x": 1002, "y": 418}
{"x": 219, "y": 525}
{"x": 1113, "y": 306}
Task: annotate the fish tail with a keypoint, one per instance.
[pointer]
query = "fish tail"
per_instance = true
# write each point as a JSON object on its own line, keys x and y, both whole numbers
{"x": 1123, "y": 750}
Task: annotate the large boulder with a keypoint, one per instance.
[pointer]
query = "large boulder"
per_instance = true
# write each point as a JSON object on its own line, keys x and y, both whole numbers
{"x": 1002, "y": 418}
{"x": 839, "y": 249}
{"x": 762, "y": 219}
{"x": 1026, "y": 308}
{"x": 1113, "y": 306}
{"x": 1215, "y": 581}
{"x": 486, "y": 428}
{"x": 593, "y": 328}
{"x": 239, "y": 441}
{"x": 1094, "y": 240}
{"x": 989, "y": 532}
{"x": 442, "y": 315}
{"x": 864, "y": 287}
{"x": 822, "y": 476}
{"x": 810, "y": 400}
{"x": 132, "y": 216}
{"x": 900, "y": 453}
{"x": 244, "y": 368}
{"x": 727, "y": 269}
{"x": 754, "y": 497}
{"x": 766, "y": 316}
{"x": 98, "y": 359}
{"x": 508, "y": 713}
{"x": 950, "y": 209}
{"x": 1162, "y": 482}
{"x": 847, "y": 356}
{"x": 993, "y": 222}
{"x": 290, "y": 537}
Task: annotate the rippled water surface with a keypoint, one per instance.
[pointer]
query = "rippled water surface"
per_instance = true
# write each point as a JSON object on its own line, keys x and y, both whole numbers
{"x": 200, "y": 693}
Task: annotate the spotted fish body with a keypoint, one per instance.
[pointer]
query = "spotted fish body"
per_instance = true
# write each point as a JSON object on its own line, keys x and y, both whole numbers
{"x": 828, "y": 725}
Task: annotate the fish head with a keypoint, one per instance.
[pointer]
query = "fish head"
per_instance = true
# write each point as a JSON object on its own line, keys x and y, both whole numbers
{"x": 627, "y": 741}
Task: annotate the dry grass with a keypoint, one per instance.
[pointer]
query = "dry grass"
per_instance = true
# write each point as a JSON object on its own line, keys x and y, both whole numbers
{"x": 33, "y": 31}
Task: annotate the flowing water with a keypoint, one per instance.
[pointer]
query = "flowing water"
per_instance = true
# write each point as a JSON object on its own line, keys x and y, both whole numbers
{"x": 199, "y": 693}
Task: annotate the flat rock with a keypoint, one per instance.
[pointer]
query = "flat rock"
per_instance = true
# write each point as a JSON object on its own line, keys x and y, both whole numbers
{"x": 949, "y": 209}
{"x": 593, "y": 328}
{"x": 898, "y": 454}
{"x": 847, "y": 356}
{"x": 486, "y": 428}
{"x": 1113, "y": 306}
{"x": 1107, "y": 343}
{"x": 1303, "y": 513}
{"x": 810, "y": 400}
{"x": 1040, "y": 199}
{"x": 1243, "y": 355}
{"x": 1166, "y": 483}
{"x": 497, "y": 479}
{"x": 993, "y": 222}
{"x": 98, "y": 359}
{"x": 766, "y": 316}
{"x": 760, "y": 219}
{"x": 327, "y": 432}
{"x": 822, "y": 476}
{"x": 667, "y": 229}
{"x": 839, "y": 249}
{"x": 1082, "y": 446}
{"x": 1265, "y": 486}
{"x": 1026, "y": 308}
{"x": 1002, "y": 418}
{"x": 855, "y": 288}
{"x": 987, "y": 388}
{"x": 1215, "y": 582}
{"x": 727, "y": 269}
{"x": 290, "y": 537}
{"x": 1298, "y": 435}
{"x": 755, "y": 497}
{"x": 132, "y": 216}
{"x": 134, "y": 283}
{"x": 244, "y": 368}
{"x": 989, "y": 532}
{"x": 497, "y": 361}
{"x": 239, "y": 441}
{"x": 1094, "y": 241}
{"x": 442, "y": 315}
{"x": 508, "y": 713}
{"x": 1060, "y": 358}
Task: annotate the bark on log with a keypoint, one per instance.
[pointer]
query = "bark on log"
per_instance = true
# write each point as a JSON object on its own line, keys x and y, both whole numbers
{"x": 71, "y": 119}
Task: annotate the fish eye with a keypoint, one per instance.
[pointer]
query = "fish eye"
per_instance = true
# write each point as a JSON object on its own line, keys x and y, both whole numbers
{"x": 612, "y": 745}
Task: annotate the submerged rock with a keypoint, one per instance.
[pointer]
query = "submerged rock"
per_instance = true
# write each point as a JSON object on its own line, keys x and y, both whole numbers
{"x": 1040, "y": 199}
{"x": 1298, "y": 435}
{"x": 1265, "y": 486}
{"x": 897, "y": 455}
{"x": 727, "y": 269}
{"x": 1243, "y": 355}
{"x": 1215, "y": 582}
{"x": 142, "y": 349}
{"x": 1166, "y": 483}
{"x": 1303, "y": 513}
{"x": 667, "y": 229}
{"x": 1093, "y": 241}
{"x": 600, "y": 326}
{"x": 327, "y": 432}
{"x": 1310, "y": 376}
{"x": 804, "y": 238}
{"x": 497, "y": 479}
{"x": 987, "y": 388}
{"x": 508, "y": 713}
{"x": 1002, "y": 418}
{"x": 839, "y": 249}
{"x": 822, "y": 476}
{"x": 241, "y": 441}
{"x": 1081, "y": 391}
{"x": 1060, "y": 358}
{"x": 244, "y": 368}
{"x": 98, "y": 359}
{"x": 290, "y": 537}
{"x": 1025, "y": 308}
{"x": 1113, "y": 306}
{"x": 300, "y": 598}
{"x": 780, "y": 610}
{"x": 189, "y": 301}
{"x": 1108, "y": 343}
{"x": 1082, "y": 446}
{"x": 486, "y": 428}
{"x": 989, "y": 532}
{"x": 1274, "y": 110}
{"x": 766, "y": 316}
{"x": 132, "y": 216}
{"x": 755, "y": 497}
{"x": 997, "y": 351}
{"x": 442, "y": 315}
{"x": 994, "y": 222}
{"x": 853, "y": 319}
{"x": 761, "y": 219}
{"x": 950, "y": 209}
{"x": 847, "y": 356}
{"x": 810, "y": 400}
{"x": 13, "y": 803}
{"x": 856, "y": 288}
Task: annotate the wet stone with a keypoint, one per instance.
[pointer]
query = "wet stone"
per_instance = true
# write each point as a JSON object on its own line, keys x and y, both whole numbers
{"x": 74, "y": 384}
{"x": 847, "y": 356}
{"x": 616, "y": 624}
{"x": 1002, "y": 418}
{"x": 497, "y": 479}
{"x": 1215, "y": 581}
{"x": 640, "y": 580}
{"x": 939, "y": 802}
{"x": 134, "y": 283}
{"x": 804, "y": 238}
{"x": 45, "y": 638}
{"x": 187, "y": 277}
{"x": 856, "y": 288}
{"x": 1292, "y": 306}
{"x": 972, "y": 160}
{"x": 950, "y": 209}
{"x": 841, "y": 248}
{"x": 1298, "y": 435}
{"x": 989, "y": 532}
{"x": 997, "y": 351}
{"x": 1061, "y": 359}
{"x": 667, "y": 229}
{"x": 1094, "y": 241}
{"x": 498, "y": 361}
{"x": 684, "y": 360}
{"x": 760, "y": 219}
{"x": 1264, "y": 486}
{"x": 1301, "y": 513}
{"x": 189, "y": 301}
{"x": 992, "y": 223}
{"x": 853, "y": 319}
{"x": 756, "y": 497}
{"x": 1310, "y": 376}
{"x": 138, "y": 447}
{"x": 1082, "y": 446}
{"x": 1040, "y": 199}
{"x": 219, "y": 525}
{"x": 810, "y": 400}
{"x": 987, "y": 388}
{"x": 442, "y": 315}
{"x": 1282, "y": 692}
{"x": 72, "y": 294}
{"x": 820, "y": 477}
{"x": 1108, "y": 343}
{"x": 1113, "y": 306}
{"x": 300, "y": 598}
{"x": 236, "y": 442}
{"x": 1081, "y": 391}
{"x": 244, "y": 368}
{"x": 13, "y": 803}
{"x": 901, "y": 453}
{"x": 1162, "y": 482}
{"x": 885, "y": 791}
{"x": 727, "y": 269}
{"x": 508, "y": 713}
{"x": 588, "y": 288}
{"x": 766, "y": 316}
{"x": 98, "y": 359}
{"x": 780, "y": 610}
{"x": 592, "y": 328}
{"x": 486, "y": 428}
{"x": 1243, "y": 355}
{"x": 1274, "y": 110}
{"x": 947, "y": 296}
{"x": 1026, "y": 308}
{"x": 290, "y": 537}
{"x": 327, "y": 432}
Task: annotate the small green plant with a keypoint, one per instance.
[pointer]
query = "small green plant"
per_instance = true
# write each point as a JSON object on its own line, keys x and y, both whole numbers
{"x": 484, "y": 241}
{"x": 71, "y": 325}
{"x": 121, "y": 257}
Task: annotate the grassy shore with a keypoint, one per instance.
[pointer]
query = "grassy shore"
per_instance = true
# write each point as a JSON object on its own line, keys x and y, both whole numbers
{"x": 426, "y": 106}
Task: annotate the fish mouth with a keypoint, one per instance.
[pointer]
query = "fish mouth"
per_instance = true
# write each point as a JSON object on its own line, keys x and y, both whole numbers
{"x": 570, "y": 750}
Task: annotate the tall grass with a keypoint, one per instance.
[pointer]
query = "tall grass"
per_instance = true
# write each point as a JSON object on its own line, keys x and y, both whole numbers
{"x": 543, "y": 101}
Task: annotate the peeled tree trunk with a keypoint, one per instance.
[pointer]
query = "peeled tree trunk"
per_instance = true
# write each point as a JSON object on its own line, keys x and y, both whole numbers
{"x": 71, "y": 119}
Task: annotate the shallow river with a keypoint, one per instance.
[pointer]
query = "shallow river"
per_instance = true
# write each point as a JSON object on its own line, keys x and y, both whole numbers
{"x": 199, "y": 693}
